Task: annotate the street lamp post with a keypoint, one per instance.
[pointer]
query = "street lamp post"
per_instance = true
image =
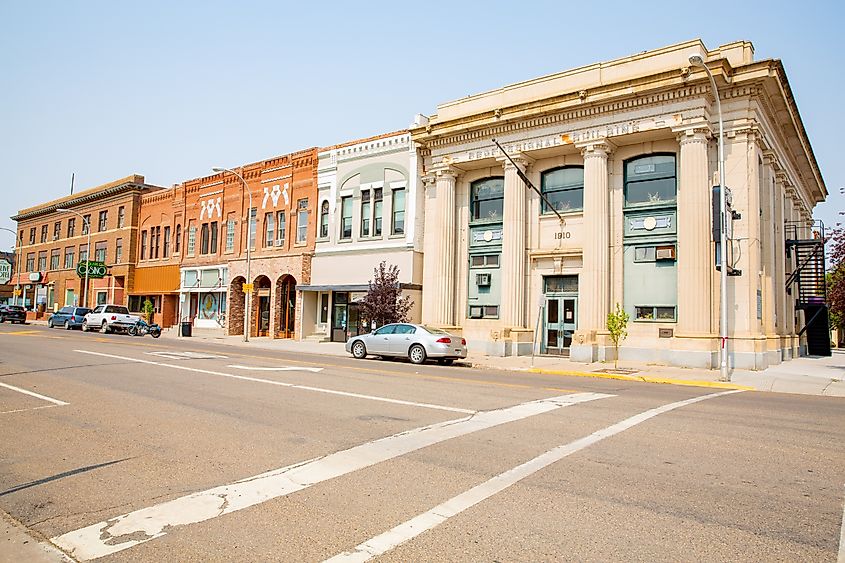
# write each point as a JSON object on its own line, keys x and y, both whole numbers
{"x": 698, "y": 60}
{"x": 18, "y": 267}
{"x": 248, "y": 294}
{"x": 87, "y": 226}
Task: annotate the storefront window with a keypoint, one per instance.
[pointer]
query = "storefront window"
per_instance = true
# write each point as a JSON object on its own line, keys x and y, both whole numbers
{"x": 487, "y": 199}
{"x": 564, "y": 189}
{"x": 650, "y": 180}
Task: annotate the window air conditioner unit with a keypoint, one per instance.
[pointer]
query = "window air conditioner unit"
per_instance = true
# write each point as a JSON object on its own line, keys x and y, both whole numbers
{"x": 482, "y": 280}
{"x": 476, "y": 312}
{"x": 280, "y": 241}
{"x": 665, "y": 253}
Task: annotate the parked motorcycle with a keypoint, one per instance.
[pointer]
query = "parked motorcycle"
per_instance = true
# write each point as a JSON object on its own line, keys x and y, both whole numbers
{"x": 141, "y": 328}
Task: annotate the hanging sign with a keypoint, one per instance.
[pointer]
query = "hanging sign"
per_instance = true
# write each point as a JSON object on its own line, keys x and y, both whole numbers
{"x": 92, "y": 269}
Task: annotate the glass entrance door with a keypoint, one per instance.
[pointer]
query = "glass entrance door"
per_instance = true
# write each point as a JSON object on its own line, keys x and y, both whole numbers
{"x": 559, "y": 324}
{"x": 264, "y": 314}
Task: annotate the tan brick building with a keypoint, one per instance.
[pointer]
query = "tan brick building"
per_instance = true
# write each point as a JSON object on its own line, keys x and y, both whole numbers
{"x": 211, "y": 213}
{"x": 53, "y": 242}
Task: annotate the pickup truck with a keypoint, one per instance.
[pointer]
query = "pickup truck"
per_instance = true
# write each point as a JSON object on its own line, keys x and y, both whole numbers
{"x": 108, "y": 318}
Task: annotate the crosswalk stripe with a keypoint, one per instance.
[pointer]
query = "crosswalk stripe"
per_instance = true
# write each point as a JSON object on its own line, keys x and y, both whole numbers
{"x": 406, "y": 531}
{"x": 122, "y": 532}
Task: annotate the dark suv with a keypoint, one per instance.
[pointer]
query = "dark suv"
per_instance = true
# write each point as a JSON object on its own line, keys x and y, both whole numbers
{"x": 68, "y": 317}
{"x": 12, "y": 313}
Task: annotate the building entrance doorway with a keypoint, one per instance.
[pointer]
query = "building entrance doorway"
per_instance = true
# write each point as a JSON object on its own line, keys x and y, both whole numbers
{"x": 262, "y": 306}
{"x": 346, "y": 317}
{"x": 286, "y": 288}
{"x": 560, "y": 314}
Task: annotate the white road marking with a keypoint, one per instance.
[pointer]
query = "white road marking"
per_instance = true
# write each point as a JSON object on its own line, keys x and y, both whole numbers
{"x": 283, "y": 384}
{"x": 30, "y": 409}
{"x": 34, "y": 394}
{"x": 841, "y": 557}
{"x": 414, "y": 527}
{"x": 287, "y": 368}
{"x": 128, "y": 530}
{"x": 173, "y": 355}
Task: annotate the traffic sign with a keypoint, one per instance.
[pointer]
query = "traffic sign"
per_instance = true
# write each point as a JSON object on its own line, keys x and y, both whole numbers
{"x": 248, "y": 287}
{"x": 93, "y": 269}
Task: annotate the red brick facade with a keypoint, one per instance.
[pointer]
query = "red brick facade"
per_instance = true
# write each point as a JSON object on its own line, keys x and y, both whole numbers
{"x": 52, "y": 242}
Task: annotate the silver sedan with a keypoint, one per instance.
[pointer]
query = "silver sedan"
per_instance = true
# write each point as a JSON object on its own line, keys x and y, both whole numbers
{"x": 416, "y": 342}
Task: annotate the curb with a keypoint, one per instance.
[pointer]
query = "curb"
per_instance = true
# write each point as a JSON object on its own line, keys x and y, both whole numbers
{"x": 645, "y": 379}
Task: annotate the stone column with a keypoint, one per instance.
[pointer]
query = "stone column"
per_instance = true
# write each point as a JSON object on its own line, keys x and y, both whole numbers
{"x": 513, "y": 246}
{"x": 594, "y": 285}
{"x": 439, "y": 258}
{"x": 695, "y": 266}
{"x": 790, "y": 217}
{"x": 780, "y": 260}
{"x": 431, "y": 246}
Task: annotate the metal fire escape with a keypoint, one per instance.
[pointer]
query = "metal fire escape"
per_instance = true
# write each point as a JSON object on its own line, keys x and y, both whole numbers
{"x": 807, "y": 285}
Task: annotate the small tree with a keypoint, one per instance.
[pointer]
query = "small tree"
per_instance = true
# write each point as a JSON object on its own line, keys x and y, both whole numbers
{"x": 149, "y": 311}
{"x": 836, "y": 279}
{"x": 617, "y": 326}
{"x": 384, "y": 302}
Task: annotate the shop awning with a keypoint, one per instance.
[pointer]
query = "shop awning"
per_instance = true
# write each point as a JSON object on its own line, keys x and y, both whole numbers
{"x": 351, "y": 287}
{"x": 156, "y": 279}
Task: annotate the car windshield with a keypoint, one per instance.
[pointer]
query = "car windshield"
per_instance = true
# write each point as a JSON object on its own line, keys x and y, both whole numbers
{"x": 118, "y": 310}
{"x": 432, "y": 330}
{"x": 82, "y": 311}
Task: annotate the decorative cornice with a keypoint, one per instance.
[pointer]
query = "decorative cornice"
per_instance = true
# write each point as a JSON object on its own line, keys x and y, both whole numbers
{"x": 83, "y": 199}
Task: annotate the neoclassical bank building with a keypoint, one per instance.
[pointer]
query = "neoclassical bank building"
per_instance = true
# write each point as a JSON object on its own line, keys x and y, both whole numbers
{"x": 625, "y": 154}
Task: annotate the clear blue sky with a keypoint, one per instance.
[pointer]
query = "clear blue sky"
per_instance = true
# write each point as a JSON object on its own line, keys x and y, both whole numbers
{"x": 170, "y": 89}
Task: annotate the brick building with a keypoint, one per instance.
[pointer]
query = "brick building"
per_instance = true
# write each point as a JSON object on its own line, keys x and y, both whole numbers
{"x": 159, "y": 255}
{"x": 213, "y": 259}
{"x": 53, "y": 242}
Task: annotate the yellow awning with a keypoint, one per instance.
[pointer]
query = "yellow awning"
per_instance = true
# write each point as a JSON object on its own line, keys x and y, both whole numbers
{"x": 156, "y": 279}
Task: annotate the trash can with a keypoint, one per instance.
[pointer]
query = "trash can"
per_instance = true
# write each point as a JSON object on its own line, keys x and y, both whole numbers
{"x": 186, "y": 328}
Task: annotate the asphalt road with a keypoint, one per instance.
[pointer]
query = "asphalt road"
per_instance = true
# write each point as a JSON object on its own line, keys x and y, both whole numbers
{"x": 134, "y": 449}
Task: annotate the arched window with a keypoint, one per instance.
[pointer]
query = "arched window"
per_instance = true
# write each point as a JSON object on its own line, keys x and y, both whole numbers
{"x": 324, "y": 220}
{"x": 563, "y": 188}
{"x": 651, "y": 180}
{"x": 487, "y": 199}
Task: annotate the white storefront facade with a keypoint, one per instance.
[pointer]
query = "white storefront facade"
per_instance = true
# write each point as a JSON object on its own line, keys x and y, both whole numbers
{"x": 369, "y": 210}
{"x": 625, "y": 153}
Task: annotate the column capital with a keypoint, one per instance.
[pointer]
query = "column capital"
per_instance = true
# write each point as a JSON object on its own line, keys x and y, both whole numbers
{"x": 596, "y": 148}
{"x": 428, "y": 179}
{"x": 521, "y": 159}
{"x": 445, "y": 171}
{"x": 770, "y": 158}
{"x": 697, "y": 134}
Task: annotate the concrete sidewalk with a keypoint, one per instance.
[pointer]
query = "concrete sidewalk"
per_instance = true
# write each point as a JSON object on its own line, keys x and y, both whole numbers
{"x": 17, "y": 545}
{"x": 808, "y": 375}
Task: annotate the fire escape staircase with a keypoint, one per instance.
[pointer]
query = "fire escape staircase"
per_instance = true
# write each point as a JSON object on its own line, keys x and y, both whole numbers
{"x": 807, "y": 284}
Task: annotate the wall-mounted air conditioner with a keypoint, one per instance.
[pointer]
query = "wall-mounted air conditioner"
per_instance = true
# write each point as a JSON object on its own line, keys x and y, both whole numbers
{"x": 665, "y": 253}
{"x": 482, "y": 280}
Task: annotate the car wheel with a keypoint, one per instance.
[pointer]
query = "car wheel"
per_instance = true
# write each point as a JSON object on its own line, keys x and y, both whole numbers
{"x": 67, "y": 325}
{"x": 359, "y": 350}
{"x": 416, "y": 354}
{"x": 446, "y": 362}
{"x": 104, "y": 328}
{"x": 50, "y": 323}
{"x": 84, "y": 326}
{"x": 2, "y": 320}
